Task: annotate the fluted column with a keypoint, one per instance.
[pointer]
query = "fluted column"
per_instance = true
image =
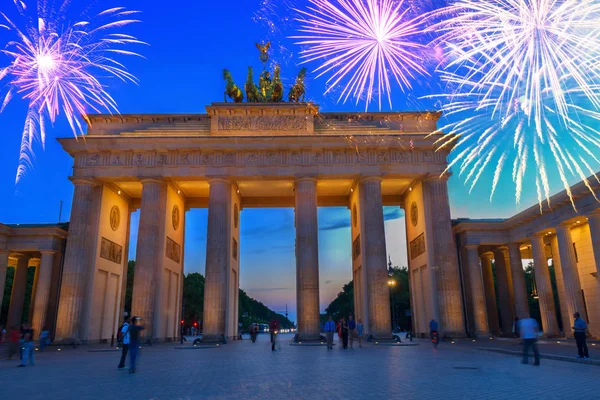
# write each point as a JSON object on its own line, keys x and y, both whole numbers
{"x": 17, "y": 297}
{"x": 445, "y": 261}
{"x": 477, "y": 293}
{"x": 490, "y": 293}
{"x": 42, "y": 292}
{"x": 217, "y": 260}
{"x": 573, "y": 298}
{"x": 506, "y": 312}
{"x": 307, "y": 259}
{"x": 560, "y": 287}
{"x": 544, "y": 288}
{"x": 74, "y": 273}
{"x": 3, "y": 268}
{"x": 594, "y": 222}
{"x": 518, "y": 280}
{"x": 375, "y": 262}
{"x": 149, "y": 253}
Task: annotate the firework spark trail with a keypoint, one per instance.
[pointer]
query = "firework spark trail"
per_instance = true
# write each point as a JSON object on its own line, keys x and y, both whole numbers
{"x": 525, "y": 74}
{"x": 363, "y": 44}
{"x": 55, "y": 65}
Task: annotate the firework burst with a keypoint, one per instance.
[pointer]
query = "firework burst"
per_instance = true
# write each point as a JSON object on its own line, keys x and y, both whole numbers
{"x": 526, "y": 86}
{"x": 364, "y": 45}
{"x": 55, "y": 66}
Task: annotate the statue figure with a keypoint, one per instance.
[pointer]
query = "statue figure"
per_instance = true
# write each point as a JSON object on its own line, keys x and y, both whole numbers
{"x": 232, "y": 90}
{"x": 297, "y": 91}
{"x": 264, "y": 48}
{"x": 277, "y": 87}
{"x": 265, "y": 86}
{"x": 252, "y": 94}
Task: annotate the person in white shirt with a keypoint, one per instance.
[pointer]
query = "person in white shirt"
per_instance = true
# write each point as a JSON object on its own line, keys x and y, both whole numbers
{"x": 529, "y": 330}
{"x": 124, "y": 338}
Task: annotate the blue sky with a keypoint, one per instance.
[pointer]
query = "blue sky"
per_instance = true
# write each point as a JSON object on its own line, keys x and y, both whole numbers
{"x": 190, "y": 42}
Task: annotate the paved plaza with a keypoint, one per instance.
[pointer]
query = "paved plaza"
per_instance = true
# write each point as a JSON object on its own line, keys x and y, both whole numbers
{"x": 245, "y": 370}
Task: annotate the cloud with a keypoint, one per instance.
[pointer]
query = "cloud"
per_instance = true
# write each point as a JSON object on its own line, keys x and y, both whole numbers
{"x": 339, "y": 224}
{"x": 271, "y": 249}
{"x": 390, "y": 213}
{"x": 328, "y": 282}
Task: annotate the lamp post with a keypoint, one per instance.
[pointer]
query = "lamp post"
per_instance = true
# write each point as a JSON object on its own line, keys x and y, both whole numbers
{"x": 391, "y": 284}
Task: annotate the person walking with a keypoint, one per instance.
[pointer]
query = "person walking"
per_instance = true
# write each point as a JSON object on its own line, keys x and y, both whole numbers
{"x": 344, "y": 333}
{"x": 13, "y": 341}
{"x": 515, "y": 329}
{"x": 528, "y": 329}
{"x": 360, "y": 330}
{"x": 351, "y": 329}
{"x": 329, "y": 328}
{"x": 124, "y": 338}
{"x": 134, "y": 343}
{"x": 44, "y": 339}
{"x": 579, "y": 326}
{"x": 27, "y": 346}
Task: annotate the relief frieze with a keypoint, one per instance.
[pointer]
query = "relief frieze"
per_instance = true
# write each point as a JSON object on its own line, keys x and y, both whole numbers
{"x": 173, "y": 250}
{"x": 262, "y": 123}
{"x": 111, "y": 251}
{"x": 417, "y": 246}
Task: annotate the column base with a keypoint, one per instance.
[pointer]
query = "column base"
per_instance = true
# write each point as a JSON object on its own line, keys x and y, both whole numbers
{"x": 214, "y": 339}
{"x": 319, "y": 339}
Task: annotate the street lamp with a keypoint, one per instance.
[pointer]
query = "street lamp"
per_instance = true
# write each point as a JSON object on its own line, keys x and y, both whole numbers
{"x": 391, "y": 284}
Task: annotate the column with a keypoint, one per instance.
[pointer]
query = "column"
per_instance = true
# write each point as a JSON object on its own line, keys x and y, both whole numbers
{"x": 33, "y": 262}
{"x": 560, "y": 287}
{"x": 573, "y": 298}
{"x": 42, "y": 292}
{"x": 518, "y": 279}
{"x": 3, "y": 268}
{"x": 477, "y": 293}
{"x": 594, "y": 222}
{"x": 374, "y": 253}
{"x": 74, "y": 274}
{"x": 445, "y": 261}
{"x": 307, "y": 259}
{"x": 17, "y": 297}
{"x": 490, "y": 293}
{"x": 149, "y": 253}
{"x": 217, "y": 260}
{"x": 506, "y": 310}
{"x": 544, "y": 288}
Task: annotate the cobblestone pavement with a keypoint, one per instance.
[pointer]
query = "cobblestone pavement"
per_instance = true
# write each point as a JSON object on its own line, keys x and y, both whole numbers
{"x": 244, "y": 370}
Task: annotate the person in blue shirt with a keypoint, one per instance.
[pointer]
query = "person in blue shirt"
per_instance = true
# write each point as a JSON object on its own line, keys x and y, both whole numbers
{"x": 433, "y": 326}
{"x": 579, "y": 326}
{"x": 351, "y": 329}
{"x": 329, "y": 329}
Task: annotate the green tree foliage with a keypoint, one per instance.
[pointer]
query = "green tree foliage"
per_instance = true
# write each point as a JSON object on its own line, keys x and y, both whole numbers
{"x": 10, "y": 276}
{"x": 534, "y": 303}
{"x": 343, "y": 304}
{"x": 193, "y": 297}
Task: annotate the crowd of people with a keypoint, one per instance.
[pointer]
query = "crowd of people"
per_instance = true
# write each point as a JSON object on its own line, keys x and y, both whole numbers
{"x": 19, "y": 340}
{"x": 348, "y": 330}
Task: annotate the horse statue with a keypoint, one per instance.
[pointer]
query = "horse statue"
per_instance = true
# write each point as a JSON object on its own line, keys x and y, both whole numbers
{"x": 252, "y": 94}
{"x": 265, "y": 86}
{"x": 277, "y": 87}
{"x": 297, "y": 91}
{"x": 232, "y": 90}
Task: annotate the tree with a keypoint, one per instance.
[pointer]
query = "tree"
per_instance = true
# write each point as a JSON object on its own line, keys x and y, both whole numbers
{"x": 193, "y": 297}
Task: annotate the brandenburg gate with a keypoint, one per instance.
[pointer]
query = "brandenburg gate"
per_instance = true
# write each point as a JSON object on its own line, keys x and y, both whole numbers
{"x": 242, "y": 155}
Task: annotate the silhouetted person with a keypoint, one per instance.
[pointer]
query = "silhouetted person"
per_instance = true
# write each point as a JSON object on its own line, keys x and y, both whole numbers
{"x": 27, "y": 346}
{"x": 134, "y": 342}
{"x": 344, "y": 333}
{"x": 579, "y": 326}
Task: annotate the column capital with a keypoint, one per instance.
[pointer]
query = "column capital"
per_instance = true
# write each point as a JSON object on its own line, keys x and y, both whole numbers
{"x": 49, "y": 252}
{"x": 471, "y": 246}
{"x": 594, "y": 213}
{"x": 143, "y": 181}
{"x": 4, "y": 252}
{"x": 513, "y": 246}
{"x": 486, "y": 256}
{"x": 444, "y": 176}
{"x": 83, "y": 181}
{"x": 300, "y": 179}
{"x": 563, "y": 227}
{"x": 374, "y": 178}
